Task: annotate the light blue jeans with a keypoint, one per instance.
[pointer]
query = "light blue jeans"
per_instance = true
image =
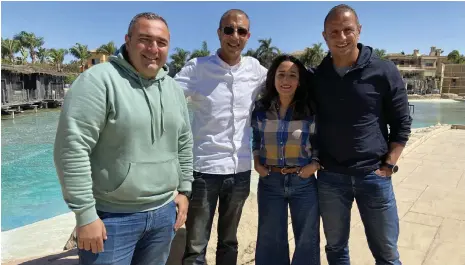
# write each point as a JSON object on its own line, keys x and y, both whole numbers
{"x": 135, "y": 238}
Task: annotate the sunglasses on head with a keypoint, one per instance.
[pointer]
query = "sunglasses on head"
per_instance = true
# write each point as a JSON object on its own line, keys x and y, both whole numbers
{"x": 228, "y": 30}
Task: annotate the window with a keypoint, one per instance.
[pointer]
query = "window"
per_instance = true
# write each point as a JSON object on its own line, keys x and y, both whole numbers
{"x": 95, "y": 61}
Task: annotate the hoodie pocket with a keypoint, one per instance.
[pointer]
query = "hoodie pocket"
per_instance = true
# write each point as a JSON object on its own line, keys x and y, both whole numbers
{"x": 146, "y": 180}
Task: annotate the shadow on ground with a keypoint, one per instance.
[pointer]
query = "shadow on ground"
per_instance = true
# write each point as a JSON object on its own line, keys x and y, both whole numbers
{"x": 70, "y": 257}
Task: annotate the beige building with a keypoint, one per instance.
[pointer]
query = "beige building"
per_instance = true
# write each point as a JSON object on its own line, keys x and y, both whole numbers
{"x": 419, "y": 65}
{"x": 95, "y": 58}
{"x": 453, "y": 80}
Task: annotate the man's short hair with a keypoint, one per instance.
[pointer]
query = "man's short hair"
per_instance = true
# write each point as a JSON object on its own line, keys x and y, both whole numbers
{"x": 146, "y": 15}
{"x": 232, "y": 11}
{"x": 338, "y": 9}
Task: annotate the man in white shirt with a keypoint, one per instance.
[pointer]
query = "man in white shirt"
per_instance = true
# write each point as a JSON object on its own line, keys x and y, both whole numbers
{"x": 222, "y": 88}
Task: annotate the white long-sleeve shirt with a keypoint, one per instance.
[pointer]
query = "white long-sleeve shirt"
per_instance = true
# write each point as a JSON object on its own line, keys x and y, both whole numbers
{"x": 222, "y": 98}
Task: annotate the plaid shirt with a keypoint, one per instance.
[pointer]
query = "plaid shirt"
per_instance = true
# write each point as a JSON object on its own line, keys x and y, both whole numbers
{"x": 283, "y": 142}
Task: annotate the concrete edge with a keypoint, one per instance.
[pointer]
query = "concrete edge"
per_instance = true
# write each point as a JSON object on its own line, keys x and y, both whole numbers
{"x": 422, "y": 139}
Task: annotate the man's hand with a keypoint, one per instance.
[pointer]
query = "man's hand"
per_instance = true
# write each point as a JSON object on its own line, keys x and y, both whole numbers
{"x": 309, "y": 170}
{"x": 262, "y": 170}
{"x": 182, "y": 202}
{"x": 384, "y": 171}
{"x": 91, "y": 236}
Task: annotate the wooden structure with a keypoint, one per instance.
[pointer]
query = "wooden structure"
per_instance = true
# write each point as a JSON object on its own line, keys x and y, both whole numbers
{"x": 29, "y": 86}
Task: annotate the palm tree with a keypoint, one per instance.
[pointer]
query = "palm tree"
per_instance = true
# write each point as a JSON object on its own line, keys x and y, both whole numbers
{"x": 381, "y": 53}
{"x": 43, "y": 55}
{"x": 200, "y": 53}
{"x": 313, "y": 56}
{"x": 266, "y": 53}
{"x": 455, "y": 57}
{"x": 108, "y": 48}
{"x": 30, "y": 41}
{"x": 81, "y": 52}
{"x": 24, "y": 55}
{"x": 9, "y": 49}
{"x": 251, "y": 53}
{"x": 179, "y": 59}
{"x": 73, "y": 66}
{"x": 57, "y": 56}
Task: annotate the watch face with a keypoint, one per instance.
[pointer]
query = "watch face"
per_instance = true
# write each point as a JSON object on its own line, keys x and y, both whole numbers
{"x": 395, "y": 169}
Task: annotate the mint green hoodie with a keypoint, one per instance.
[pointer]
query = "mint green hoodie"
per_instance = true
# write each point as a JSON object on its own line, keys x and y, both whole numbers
{"x": 123, "y": 142}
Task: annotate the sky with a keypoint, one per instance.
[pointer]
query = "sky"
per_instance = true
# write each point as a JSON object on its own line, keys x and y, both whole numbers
{"x": 393, "y": 26}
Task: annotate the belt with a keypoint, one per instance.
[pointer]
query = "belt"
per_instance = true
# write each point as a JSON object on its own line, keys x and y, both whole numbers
{"x": 284, "y": 170}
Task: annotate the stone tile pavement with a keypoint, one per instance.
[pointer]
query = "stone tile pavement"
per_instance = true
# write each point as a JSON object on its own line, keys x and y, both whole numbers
{"x": 430, "y": 190}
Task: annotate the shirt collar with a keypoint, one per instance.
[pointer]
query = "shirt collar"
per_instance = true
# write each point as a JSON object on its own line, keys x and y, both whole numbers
{"x": 226, "y": 65}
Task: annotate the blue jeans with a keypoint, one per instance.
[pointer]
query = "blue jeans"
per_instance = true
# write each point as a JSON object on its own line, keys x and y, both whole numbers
{"x": 135, "y": 238}
{"x": 275, "y": 193}
{"x": 207, "y": 189}
{"x": 377, "y": 206}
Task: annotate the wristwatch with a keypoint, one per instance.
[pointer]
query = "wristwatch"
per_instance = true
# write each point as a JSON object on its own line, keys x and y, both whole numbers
{"x": 393, "y": 168}
{"x": 188, "y": 194}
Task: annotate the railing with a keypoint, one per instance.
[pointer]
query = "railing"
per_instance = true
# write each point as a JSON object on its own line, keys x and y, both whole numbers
{"x": 55, "y": 91}
{"x": 18, "y": 93}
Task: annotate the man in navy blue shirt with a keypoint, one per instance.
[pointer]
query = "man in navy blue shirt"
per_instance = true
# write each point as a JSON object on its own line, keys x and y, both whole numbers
{"x": 363, "y": 125}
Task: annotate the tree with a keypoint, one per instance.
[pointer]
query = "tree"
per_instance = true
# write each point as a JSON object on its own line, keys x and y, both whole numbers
{"x": 179, "y": 59}
{"x": 266, "y": 52}
{"x": 80, "y": 52}
{"x": 24, "y": 55}
{"x": 57, "y": 56}
{"x": 108, "y": 48}
{"x": 9, "y": 49}
{"x": 30, "y": 41}
{"x": 381, "y": 53}
{"x": 73, "y": 66}
{"x": 455, "y": 57}
{"x": 43, "y": 55}
{"x": 251, "y": 53}
{"x": 200, "y": 53}
{"x": 313, "y": 56}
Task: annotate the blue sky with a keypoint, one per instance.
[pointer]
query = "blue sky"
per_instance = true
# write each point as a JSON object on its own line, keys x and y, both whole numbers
{"x": 394, "y": 26}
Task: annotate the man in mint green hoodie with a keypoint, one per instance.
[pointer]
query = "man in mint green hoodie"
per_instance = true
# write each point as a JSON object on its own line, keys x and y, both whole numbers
{"x": 123, "y": 152}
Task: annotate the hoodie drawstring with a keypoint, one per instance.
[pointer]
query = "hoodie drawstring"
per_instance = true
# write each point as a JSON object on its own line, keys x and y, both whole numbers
{"x": 162, "y": 109}
{"x": 152, "y": 118}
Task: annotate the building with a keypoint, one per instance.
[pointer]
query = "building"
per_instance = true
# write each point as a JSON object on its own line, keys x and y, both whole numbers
{"x": 419, "y": 65}
{"x": 95, "y": 58}
{"x": 453, "y": 80}
{"x": 422, "y": 73}
{"x": 29, "y": 85}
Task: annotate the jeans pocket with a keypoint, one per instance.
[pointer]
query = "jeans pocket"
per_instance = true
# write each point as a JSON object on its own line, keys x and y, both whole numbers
{"x": 380, "y": 176}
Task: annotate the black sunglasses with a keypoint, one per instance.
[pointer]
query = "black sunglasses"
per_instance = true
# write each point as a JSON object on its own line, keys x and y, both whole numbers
{"x": 230, "y": 31}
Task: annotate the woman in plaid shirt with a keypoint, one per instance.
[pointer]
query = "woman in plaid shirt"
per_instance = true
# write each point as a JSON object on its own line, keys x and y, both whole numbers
{"x": 286, "y": 159}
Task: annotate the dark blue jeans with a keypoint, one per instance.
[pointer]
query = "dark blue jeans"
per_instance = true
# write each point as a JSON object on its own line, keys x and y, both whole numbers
{"x": 135, "y": 238}
{"x": 378, "y": 210}
{"x": 277, "y": 192}
{"x": 207, "y": 189}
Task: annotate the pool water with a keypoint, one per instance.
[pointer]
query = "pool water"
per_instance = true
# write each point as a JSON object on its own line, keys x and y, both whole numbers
{"x": 30, "y": 187}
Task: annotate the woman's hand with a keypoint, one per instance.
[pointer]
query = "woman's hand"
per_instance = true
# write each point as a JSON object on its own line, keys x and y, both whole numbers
{"x": 308, "y": 170}
{"x": 262, "y": 171}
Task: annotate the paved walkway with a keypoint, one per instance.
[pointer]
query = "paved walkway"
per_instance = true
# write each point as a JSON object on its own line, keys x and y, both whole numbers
{"x": 430, "y": 190}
